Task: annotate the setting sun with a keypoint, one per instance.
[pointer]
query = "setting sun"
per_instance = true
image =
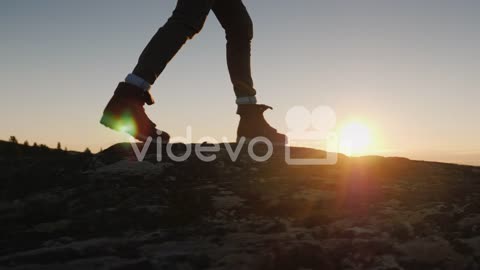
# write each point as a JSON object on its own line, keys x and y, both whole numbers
{"x": 355, "y": 139}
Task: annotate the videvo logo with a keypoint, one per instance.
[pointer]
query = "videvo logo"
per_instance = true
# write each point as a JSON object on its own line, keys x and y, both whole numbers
{"x": 309, "y": 129}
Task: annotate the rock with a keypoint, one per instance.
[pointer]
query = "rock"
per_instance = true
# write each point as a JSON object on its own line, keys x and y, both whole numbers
{"x": 473, "y": 244}
{"x": 313, "y": 195}
{"x": 60, "y": 225}
{"x": 171, "y": 178}
{"x": 108, "y": 211}
{"x": 360, "y": 232}
{"x": 227, "y": 202}
{"x": 428, "y": 251}
{"x": 386, "y": 262}
{"x": 127, "y": 168}
{"x": 236, "y": 261}
{"x": 272, "y": 227}
{"x": 401, "y": 230}
{"x": 470, "y": 224}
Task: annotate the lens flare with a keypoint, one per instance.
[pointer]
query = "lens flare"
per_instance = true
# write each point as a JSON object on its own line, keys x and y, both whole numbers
{"x": 126, "y": 124}
{"x": 355, "y": 139}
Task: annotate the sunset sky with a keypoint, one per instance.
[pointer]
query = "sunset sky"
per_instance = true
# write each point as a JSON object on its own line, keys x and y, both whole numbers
{"x": 409, "y": 71}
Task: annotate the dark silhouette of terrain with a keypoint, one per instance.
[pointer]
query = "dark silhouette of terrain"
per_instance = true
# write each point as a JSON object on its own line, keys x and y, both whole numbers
{"x": 70, "y": 210}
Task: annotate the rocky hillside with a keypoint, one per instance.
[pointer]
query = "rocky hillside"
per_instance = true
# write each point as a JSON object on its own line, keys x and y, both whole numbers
{"x": 65, "y": 210}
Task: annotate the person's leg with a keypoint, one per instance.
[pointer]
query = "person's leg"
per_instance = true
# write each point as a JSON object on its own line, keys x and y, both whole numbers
{"x": 124, "y": 112}
{"x": 234, "y": 18}
{"x": 236, "y": 21}
{"x": 186, "y": 21}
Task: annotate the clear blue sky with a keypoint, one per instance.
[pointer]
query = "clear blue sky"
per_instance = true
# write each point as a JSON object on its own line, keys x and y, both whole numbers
{"x": 411, "y": 69}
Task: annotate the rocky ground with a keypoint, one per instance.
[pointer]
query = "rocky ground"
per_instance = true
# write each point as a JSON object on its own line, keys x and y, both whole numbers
{"x": 65, "y": 210}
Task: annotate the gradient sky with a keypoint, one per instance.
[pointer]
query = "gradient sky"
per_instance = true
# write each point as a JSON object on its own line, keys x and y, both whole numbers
{"x": 410, "y": 69}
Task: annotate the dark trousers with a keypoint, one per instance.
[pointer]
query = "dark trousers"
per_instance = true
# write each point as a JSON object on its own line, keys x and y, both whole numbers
{"x": 187, "y": 20}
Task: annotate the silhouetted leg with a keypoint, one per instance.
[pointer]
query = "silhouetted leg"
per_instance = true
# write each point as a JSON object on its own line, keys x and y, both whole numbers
{"x": 234, "y": 18}
{"x": 187, "y": 20}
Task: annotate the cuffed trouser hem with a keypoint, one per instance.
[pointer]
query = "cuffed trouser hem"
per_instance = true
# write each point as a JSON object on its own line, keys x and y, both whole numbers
{"x": 246, "y": 100}
{"x": 138, "y": 82}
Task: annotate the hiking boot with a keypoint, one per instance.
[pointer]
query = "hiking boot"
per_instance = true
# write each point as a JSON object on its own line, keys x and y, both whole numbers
{"x": 253, "y": 124}
{"x": 125, "y": 113}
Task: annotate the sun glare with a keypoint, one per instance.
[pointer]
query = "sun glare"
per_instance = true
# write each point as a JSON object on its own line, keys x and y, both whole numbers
{"x": 355, "y": 139}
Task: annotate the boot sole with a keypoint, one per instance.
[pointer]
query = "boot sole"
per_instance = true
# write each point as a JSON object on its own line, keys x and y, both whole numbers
{"x": 113, "y": 124}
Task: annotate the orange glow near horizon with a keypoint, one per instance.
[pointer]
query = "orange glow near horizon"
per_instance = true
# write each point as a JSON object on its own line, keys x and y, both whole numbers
{"x": 355, "y": 139}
